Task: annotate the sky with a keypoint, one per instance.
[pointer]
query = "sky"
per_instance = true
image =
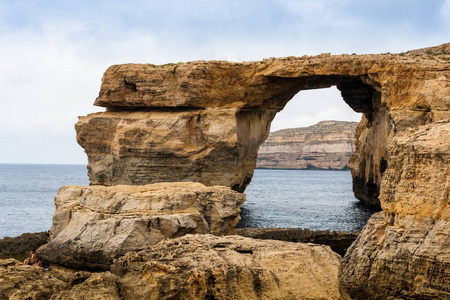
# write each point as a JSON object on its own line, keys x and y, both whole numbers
{"x": 53, "y": 53}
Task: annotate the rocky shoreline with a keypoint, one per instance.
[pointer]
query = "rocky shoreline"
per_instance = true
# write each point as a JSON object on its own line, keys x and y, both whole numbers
{"x": 170, "y": 158}
{"x": 19, "y": 247}
{"x": 189, "y": 267}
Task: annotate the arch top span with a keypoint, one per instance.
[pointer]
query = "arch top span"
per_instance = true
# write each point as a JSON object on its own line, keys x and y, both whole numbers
{"x": 205, "y": 120}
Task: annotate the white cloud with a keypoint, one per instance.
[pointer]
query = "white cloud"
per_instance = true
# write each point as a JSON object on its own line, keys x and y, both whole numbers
{"x": 312, "y": 106}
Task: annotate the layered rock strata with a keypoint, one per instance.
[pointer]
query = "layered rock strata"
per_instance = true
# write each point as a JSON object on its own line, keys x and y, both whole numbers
{"x": 190, "y": 267}
{"x": 93, "y": 225}
{"x": 141, "y": 147}
{"x": 326, "y": 145}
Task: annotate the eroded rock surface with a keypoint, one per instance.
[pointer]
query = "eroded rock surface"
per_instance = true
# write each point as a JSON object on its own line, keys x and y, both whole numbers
{"x": 405, "y": 259}
{"x": 138, "y": 148}
{"x": 93, "y": 225}
{"x": 326, "y": 145}
{"x": 231, "y": 267}
{"x": 19, "y": 281}
{"x": 405, "y": 250}
{"x": 190, "y": 267}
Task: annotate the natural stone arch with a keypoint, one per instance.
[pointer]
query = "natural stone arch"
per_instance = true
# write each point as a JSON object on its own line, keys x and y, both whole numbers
{"x": 237, "y": 101}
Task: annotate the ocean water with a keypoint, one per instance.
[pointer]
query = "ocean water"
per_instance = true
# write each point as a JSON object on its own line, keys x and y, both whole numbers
{"x": 275, "y": 198}
{"x": 27, "y": 193}
{"x": 319, "y": 200}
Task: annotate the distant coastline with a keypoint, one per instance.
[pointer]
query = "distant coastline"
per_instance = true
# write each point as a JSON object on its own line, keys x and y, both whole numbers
{"x": 326, "y": 145}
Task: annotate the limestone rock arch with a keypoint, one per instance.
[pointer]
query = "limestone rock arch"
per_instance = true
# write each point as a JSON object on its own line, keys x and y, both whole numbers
{"x": 204, "y": 121}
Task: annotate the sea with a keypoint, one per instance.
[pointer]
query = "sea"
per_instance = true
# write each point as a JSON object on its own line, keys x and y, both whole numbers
{"x": 319, "y": 200}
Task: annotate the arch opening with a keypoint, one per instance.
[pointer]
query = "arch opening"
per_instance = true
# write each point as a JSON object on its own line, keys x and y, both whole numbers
{"x": 290, "y": 194}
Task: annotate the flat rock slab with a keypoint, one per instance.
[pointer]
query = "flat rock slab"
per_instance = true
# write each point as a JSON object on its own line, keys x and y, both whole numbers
{"x": 93, "y": 225}
{"x": 339, "y": 241}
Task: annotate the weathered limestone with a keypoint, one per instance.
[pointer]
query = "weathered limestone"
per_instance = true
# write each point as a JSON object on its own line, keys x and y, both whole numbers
{"x": 204, "y": 146}
{"x": 417, "y": 181}
{"x": 19, "y": 281}
{"x": 326, "y": 145}
{"x": 405, "y": 250}
{"x": 406, "y": 259}
{"x": 190, "y": 267}
{"x": 230, "y": 267}
{"x": 93, "y": 225}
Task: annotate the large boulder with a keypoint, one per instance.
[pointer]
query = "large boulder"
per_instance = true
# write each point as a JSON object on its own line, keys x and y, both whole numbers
{"x": 230, "y": 267}
{"x": 93, "y": 225}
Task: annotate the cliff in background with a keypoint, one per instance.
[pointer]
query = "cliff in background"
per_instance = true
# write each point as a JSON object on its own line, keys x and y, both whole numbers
{"x": 326, "y": 145}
